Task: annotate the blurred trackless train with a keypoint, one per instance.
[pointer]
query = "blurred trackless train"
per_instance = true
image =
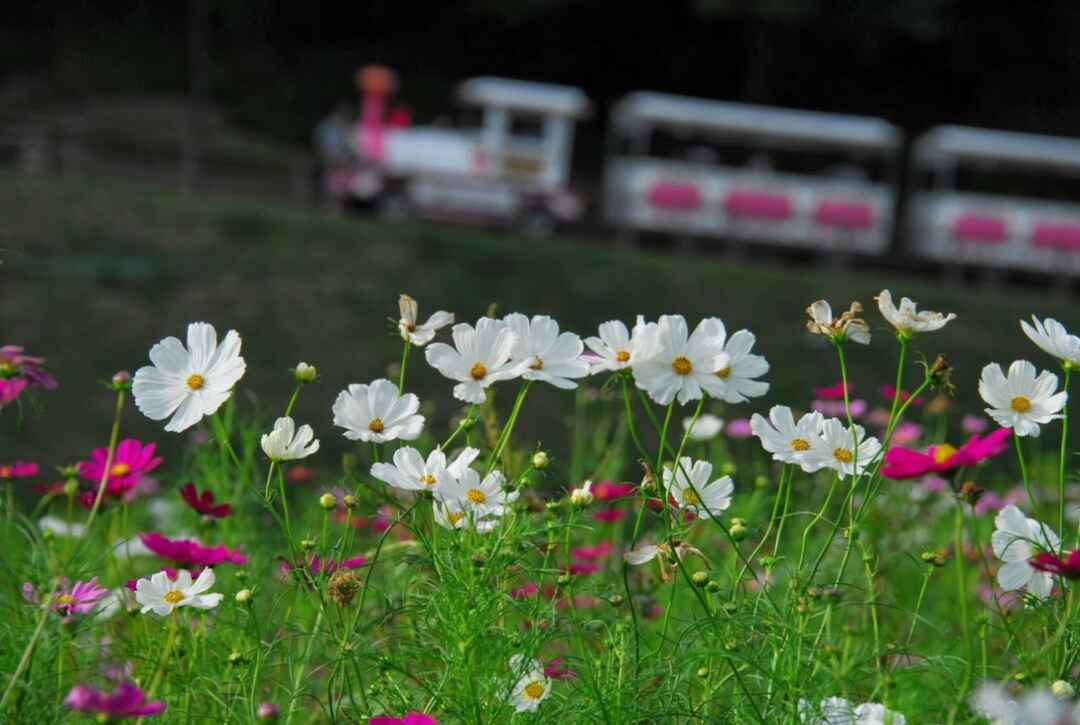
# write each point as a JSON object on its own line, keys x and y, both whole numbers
{"x": 699, "y": 168}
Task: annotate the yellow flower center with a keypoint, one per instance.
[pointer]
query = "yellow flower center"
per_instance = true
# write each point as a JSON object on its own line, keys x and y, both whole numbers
{"x": 376, "y": 425}
{"x": 691, "y": 498}
{"x": 65, "y": 599}
{"x": 195, "y": 381}
{"x": 1021, "y": 404}
{"x": 843, "y": 455}
{"x": 174, "y": 597}
{"x": 724, "y": 373}
{"x": 682, "y": 366}
{"x": 478, "y": 371}
{"x": 622, "y": 356}
{"x": 534, "y": 690}
{"x": 538, "y": 365}
{"x": 427, "y": 479}
{"x": 476, "y": 496}
{"x": 120, "y": 469}
{"x": 800, "y": 444}
{"x": 454, "y": 516}
{"x": 943, "y": 453}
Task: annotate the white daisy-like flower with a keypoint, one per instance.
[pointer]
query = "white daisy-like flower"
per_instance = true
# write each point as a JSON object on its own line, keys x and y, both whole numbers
{"x": 733, "y": 379}
{"x": 375, "y": 413}
{"x": 705, "y": 428}
{"x": 480, "y": 497}
{"x": 188, "y": 383}
{"x": 415, "y": 334}
{"x": 1016, "y": 539}
{"x": 411, "y": 472}
{"x": 1035, "y": 707}
{"x": 532, "y": 686}
{"x": 671, "y": 364}
{"x": 614, "y": 348}
{"x": 1052, "y": 337}
{"x": 1022, "y": 401}
{"x": 838, "y": 711}
{"x": 479, "y": 357}
{"x": 544, "y": 353}
{"x": 286, "y": 443}
{"x": 787, "y": 440}
{"x": 59, "y": 527}
{"x": 161, "y": 595}
{"x": 690, "y": 485}
{"x": 838, "y": 449}
{"x": 907, "y": 320}
{"x": 848, "y": 326}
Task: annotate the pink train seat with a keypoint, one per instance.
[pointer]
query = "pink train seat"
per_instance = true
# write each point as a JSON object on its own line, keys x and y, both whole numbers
{"x": 855, "y": 215}
{"x": 759, "y": 205}
{"x": 979, "y": 228}
{"x": 1057, "y": 235}
{"x": 672, "y": 196}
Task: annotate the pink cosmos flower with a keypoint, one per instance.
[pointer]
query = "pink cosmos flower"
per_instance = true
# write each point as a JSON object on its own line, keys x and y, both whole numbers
{"x": 584, "y": 568}
{"x": 409, "y": 718}
{"x": 11, "y": 388}
{"x": 300, "y": 474}
{"x": 972, "y": 424}
{"x": 15, "y": 364}
{"x": 906, "y": 433}
{"x": 935, "y": 484}
{"x": 204, "y": 503}
{"x": 1064, "y": 566}
{"x": 888, "y": 392}
{"x": 557, "y": 671}
{"x": 904, "y": 463}
{"x": 834, "y": 392}
{"x": 738, "y": 429}
{"x": 609, "y": 490}
{"x": 591, "y": 553}
{"x": 18, "y": 469}
{"x": 835, "y": 408}
{"x": 525, "y": 591}
{"x": 990, "y": 502}
{"x": 79, "y": 599}
{"x": 125, "y": 701}
{"x": 186, "y": 551}
{"x": 131, "y": 461}
{"x": 609, "y": 516}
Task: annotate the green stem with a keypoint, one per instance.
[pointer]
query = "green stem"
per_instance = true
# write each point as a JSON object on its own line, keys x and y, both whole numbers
{"x": 504, "y": 437}
{"x": 113, "y": 436}
{"x": 404, "y": 367}
{"x": 1062, "y": 454}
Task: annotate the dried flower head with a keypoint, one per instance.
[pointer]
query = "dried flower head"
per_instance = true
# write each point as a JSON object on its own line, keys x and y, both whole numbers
{"x": 343, "y": 586}
{"x": 848, "y": 326}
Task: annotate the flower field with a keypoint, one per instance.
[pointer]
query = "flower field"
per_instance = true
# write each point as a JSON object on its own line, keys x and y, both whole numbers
{"x": 516, "y": 518}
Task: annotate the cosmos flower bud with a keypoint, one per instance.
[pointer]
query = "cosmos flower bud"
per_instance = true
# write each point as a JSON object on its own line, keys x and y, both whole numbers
{"x": 71, "y": 487}
{"x": 712, "y": 586}
{"x": 935, "y": 558}
{"x": 738, "y": 529}
{"x": 700, "y": 578}
{"x": 616, "y": 600}
{"x": 305, "y": 373}
{"x": 121, "y": 380}
{"x": 236, "y": 658}
{"x": 328, "y": 501}
{"x": 350, "y": 502}
{"x": 540, "y": 460}
{"x": 268, "y": 711}
{"x": 307, "y": 544}
{"x": 1062, "y": 689}
{"x": 703, "y": 672}
{"x": 582, "y": 497}
{"x": 243, "y": 596}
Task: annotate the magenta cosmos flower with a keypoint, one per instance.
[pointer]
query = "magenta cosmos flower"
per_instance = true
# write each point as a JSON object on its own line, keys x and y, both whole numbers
{"x": 204, "y": 503}
{"x": 409, "y": 718}
{"x": 904, "y": 463}
{"x": 130, "y": 463}
{"x": 609, "y": 490}
{"x": 1066, "y": 566}
{"x": 186, "y": 551}
{"x": 126, "y": 700}
{"x": 14, "y": 363}
{"x": 79, "y": 599}
{"x": 833, "y": 392}
{"x": 18, "y": 469}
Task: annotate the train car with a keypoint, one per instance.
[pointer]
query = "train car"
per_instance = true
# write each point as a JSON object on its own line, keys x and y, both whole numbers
{"x": 995, "y": 199}
{"x": 703, "y": 168}
{"x": 512, "y": 169}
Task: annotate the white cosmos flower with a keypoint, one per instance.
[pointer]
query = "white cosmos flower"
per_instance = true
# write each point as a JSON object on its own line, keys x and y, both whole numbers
{"x": 615, "y": 346}
{"x": 1021, "y": 401}
{"x": 838, "y": 449}
{"x": 481, "y": 498}
{"x": 733, "y": 378}
{"x": 689, "y": 484}
{"x": 532, "y": 686}
{"x": 705, "y": 428}
{"x": 1052, "y": 337}
{"x": 1036, "y": 707}
{"x": 188, "y": 383}
{"x": 59, "y": 527}
{"x": 1016, "y": 539}
{"x": 671, "y": 364}
{"x": 848, "y": 326}
{"x": 415, "y": 334}
{"x": 788, "y": 441}
{"x": 838, "y": 711}
{"x": 907, "y": 320}
{"x": 544, "y": 353}
{"x": 411, "y": 472}
{"x": 286, "y": 443}
{"x": 375, "y": 413}
{"x": 162, "y": 596}
{"x": 479, "y": 357}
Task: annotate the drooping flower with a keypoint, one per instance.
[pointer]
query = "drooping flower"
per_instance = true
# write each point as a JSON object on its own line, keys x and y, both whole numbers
{"x": 287, "y": 443}
{"x": 1014, "y": 541}
{"x": 705, "y": 428}
{"x": 1052, "y": 337}
{"x": 79, "y": 599}
{"x": 689, "y": 484}
{"x": 415, "y": 334}
{"x": 735, "y": 376}
{"x": 162, "y": 595}
{"x": 532, "y": 685}
{"x": 410, "y": 472}
{"x": 18, "y": 469}
{"x": 479, "y": 357}
{"x": 838, "y": 448}
{"x": 787, "y": 440}
{"x": 907, "y": 320}
{"x": 848, "y": 326}
{"x": 375, "y": 413}
{"x": 188, "y": 383}
{"x": 673, "y": 364}
{"x": 132, "y": 460}
{"x": 126, "y": 701}
{"x": 615, "y": 347}
{"x": 1067, "y": 566}
{"x": 204, "y": 503}
{"x": 904, "y": 463}
{"x": 1021, "y": 401}
{"x": 543, "y": 353}
{"x": 186, "y": 551}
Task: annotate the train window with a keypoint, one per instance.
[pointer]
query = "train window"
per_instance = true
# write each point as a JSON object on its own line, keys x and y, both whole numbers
{"x": 530, "y": 127}
{"x": 1032, "y": 183}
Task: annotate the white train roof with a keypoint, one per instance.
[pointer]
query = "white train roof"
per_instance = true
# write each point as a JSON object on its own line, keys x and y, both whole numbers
{"x": 529, "y": 96}
{"x": 644, "y": 108}
{"x": 1026, "y": 149}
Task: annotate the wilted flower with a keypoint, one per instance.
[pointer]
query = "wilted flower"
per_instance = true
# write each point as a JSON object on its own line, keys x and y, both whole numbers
{"x": 1022, "y": 401}
{"x": 415, "y": 334}
{"x": 125, "y": 701}
{"x": 162, "y": 595}
{"x": 188, "y": 383}
{"x": 375, "y": 413}
{"x": 286, "y": 443}
{"x": 906, "y": 319}
{"x": 848, "y": 326}
{"x": 343, "y": 586}
{"x": 480, "y": 356}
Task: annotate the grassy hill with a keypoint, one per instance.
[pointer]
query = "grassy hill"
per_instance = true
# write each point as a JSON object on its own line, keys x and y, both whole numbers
{"x": 95, "y": 271}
